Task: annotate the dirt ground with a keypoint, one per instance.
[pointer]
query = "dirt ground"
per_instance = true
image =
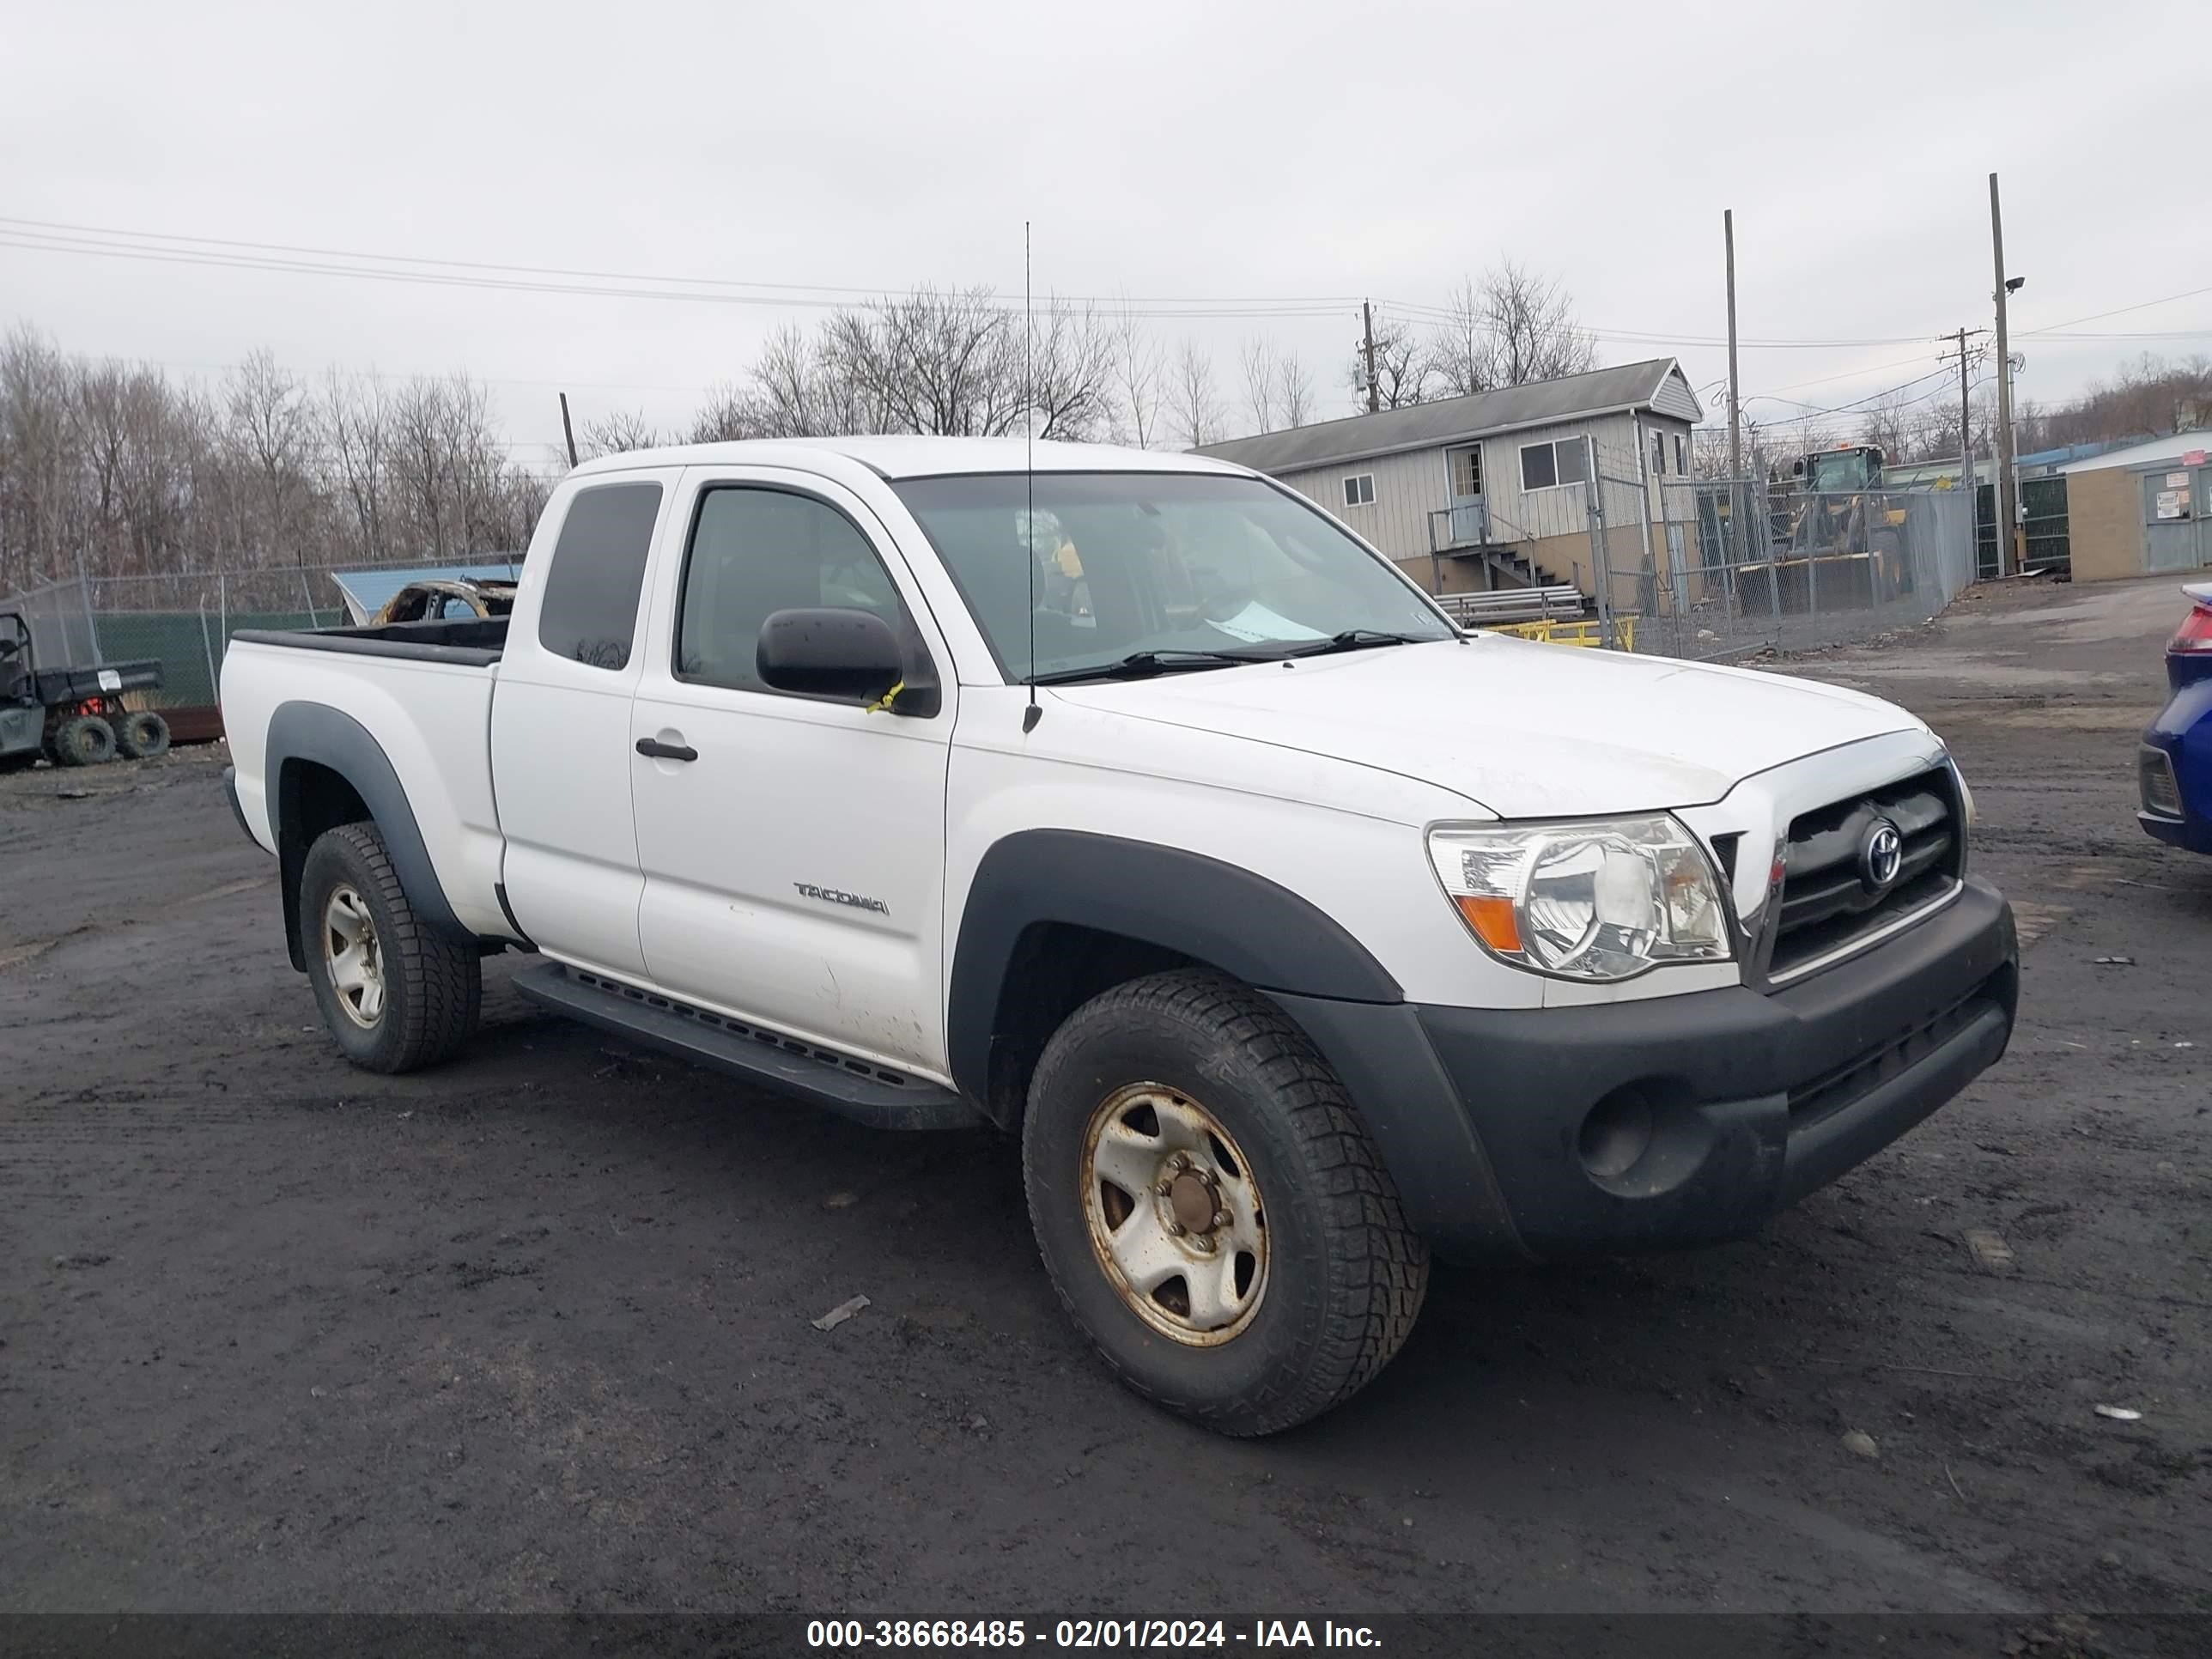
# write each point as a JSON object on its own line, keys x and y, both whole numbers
{"x": 531, "y": 1331}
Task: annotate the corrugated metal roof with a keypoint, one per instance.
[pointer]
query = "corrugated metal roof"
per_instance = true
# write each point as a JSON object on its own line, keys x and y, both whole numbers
{"x": 2146, "y": 454}
{"x": 1356, "y": 437}
{"x": 369, "y": 589}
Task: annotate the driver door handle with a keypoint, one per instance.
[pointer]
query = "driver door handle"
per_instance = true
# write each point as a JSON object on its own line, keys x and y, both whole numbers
{"x": 654, "y": 749}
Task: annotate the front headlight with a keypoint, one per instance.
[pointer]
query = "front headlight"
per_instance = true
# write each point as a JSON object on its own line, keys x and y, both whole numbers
{"x": 1597, "y": 900}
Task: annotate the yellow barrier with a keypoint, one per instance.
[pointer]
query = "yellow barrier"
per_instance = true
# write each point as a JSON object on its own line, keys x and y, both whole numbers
{"x": 1574, "y": 633}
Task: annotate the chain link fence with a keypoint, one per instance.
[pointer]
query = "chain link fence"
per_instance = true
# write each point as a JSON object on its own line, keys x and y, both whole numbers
{"x": 185, "y": 622}
{"x": 1716, "y": 569}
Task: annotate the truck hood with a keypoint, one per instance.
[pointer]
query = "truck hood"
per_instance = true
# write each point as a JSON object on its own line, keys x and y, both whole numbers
{"x": 1523, "y": 729}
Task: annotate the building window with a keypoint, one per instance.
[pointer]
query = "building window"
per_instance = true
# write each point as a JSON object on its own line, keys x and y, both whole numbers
{"x": 1562, "y": 461}
{"x": 1681, "y": 453}
{"x": 1659, "y": 453}
{"x": 1359, "y": 489}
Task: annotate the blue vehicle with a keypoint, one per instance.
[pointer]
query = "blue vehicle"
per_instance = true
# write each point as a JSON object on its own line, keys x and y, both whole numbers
{"x": 2174, "y": 765}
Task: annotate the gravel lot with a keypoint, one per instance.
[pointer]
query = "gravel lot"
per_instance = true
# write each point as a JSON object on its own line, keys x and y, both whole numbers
{"x": 531, "y": 1332}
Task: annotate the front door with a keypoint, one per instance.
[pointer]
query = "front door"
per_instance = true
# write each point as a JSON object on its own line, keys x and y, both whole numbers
{"x": 1470, "y": 522}
{"x": 2170, "y": 510}
{"x": 794, "y": 867}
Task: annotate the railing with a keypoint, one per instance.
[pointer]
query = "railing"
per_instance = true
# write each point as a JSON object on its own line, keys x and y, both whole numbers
{"x": 1464, "y": 525}
{"x": 1513, "y": 605}
{"x": 1588, "y": 634}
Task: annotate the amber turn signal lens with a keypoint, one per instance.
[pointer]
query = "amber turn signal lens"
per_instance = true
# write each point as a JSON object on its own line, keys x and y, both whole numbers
{"x": 1492, "y": 920}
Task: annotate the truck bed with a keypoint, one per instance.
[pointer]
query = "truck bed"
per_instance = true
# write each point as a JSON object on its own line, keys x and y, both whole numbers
{"x": 473, "y": 641}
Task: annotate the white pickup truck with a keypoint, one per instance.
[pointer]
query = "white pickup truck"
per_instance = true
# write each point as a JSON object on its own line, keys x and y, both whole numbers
{"x": 1132, "y": 804}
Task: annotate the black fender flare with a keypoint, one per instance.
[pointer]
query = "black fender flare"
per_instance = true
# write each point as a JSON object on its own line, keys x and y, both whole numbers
{"x": 316, "y": 733}
{"x": 1200, "y": 907}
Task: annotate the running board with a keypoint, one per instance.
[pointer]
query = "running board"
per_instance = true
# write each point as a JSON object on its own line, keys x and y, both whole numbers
{"x": 843, "y": 1084}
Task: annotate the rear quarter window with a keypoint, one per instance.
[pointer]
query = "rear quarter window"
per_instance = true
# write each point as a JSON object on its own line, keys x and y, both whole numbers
{"x": 590, "y": 610}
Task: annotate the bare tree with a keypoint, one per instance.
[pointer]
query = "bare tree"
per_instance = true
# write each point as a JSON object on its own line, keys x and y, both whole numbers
{"x": 1193, "y": 404}
{"x": 1139, "y": 371}
{"x": 801, "y": 388}
{"x": 1258, "y": 361}
{"x": 271, "y": 427}
{"x": 1069, "y": 377}
{"x": 615, "y": 434}
{"x": 1405, "y": 374}
{"x": 729, "y": 413}
{"x": 1460, "y": 350}
{"x": 1294, "y": 391}
{"x": 1529, "y": 325}
{"x": 937, "y": 361}
{"x": 42, "y": 506}
{"x": 356, "y": 421}
{"x": 115, "y": 466}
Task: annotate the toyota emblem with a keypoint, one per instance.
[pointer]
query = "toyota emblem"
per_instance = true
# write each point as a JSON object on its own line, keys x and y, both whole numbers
{"x": 1881, "y": 856}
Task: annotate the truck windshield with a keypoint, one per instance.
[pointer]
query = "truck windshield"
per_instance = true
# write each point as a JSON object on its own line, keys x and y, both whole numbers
{"x": 1127, "y": 564}
{"x": 1848, "y": 470}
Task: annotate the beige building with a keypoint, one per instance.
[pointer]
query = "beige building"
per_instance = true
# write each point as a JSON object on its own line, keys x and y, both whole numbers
{"x": 1495, "y": 489}
{"x": 2142, "y": 509}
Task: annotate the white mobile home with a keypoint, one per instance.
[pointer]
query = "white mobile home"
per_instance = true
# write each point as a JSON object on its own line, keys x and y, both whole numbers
{"x": 1470, "y": 492}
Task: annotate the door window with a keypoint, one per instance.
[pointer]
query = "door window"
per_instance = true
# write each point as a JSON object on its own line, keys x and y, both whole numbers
{"x": 755, "y": 551}
{"x": 590, "y": 610}
{"x": 1466, "y": 474}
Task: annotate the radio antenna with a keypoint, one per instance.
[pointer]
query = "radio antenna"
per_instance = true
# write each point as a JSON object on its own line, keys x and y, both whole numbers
{"x": 1031, "y": 715}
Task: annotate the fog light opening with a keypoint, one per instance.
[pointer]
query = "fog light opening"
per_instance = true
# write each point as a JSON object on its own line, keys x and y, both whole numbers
{"x": 1616, "y": 1133}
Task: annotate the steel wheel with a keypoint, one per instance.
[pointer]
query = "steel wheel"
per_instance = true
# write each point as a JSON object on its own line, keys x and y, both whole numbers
{"x": 1175, "y": 1215}
{"x": 351, "y": 954}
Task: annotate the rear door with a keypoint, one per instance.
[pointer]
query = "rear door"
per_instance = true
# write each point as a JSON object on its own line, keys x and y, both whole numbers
{"x": 794, "y": 868}
{"x": 560, "y": 725}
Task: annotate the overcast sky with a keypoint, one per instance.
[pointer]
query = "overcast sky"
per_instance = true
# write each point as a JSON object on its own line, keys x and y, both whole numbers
{"x": 1286, "y": 151}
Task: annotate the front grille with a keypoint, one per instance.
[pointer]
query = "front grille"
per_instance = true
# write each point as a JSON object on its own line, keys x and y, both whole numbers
{"x": 1827, "y": 902}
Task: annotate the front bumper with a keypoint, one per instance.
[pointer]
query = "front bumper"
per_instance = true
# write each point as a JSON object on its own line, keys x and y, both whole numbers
{"x": 1674, "y": 1121}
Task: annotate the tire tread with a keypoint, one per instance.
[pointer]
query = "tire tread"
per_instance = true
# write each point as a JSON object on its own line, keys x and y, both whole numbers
{"x": 1380, "y": 1268}
{"x": 438, "y": 993}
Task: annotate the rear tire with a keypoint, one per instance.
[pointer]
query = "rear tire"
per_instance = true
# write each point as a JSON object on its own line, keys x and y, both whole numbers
{"x": 1183, "y": 1093}
{"x": 143, "y": 735}
{"x": 396, "y": 995}
{"x": 87, "y": 740}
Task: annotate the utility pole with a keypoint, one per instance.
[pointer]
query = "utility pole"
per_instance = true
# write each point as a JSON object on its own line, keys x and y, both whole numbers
{"x": 2007, "y": 514}
{"x": 568, "y": 431}
{"x": 1374, "y": 392}
{"x": 1736, "y": 408}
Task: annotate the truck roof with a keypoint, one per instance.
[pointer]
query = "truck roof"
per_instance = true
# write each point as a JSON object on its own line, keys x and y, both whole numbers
{"x": 906, "y": 456}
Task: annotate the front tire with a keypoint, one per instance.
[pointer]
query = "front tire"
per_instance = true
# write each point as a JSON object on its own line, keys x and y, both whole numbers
{"x": 395, "y": 994}
{"x": 87, "y": 740}
{"x": 1209, "y": 1207}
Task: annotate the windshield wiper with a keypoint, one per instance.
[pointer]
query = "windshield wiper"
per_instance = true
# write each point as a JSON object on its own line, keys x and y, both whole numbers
{"x": 1140, "y": 665}
{"x": 1354, "y": 639}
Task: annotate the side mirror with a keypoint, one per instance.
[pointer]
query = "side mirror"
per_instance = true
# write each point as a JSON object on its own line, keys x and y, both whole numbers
{"x": 822, "y": 652}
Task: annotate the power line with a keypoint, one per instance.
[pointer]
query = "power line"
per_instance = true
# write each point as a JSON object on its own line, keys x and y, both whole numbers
{"x": 1847, "y": 374}
{"x": 50, "y": 237}
{"x": 1844, "y": 409}
{"x": 2098, "y": 316}
{"x": 1929, "y": 396}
